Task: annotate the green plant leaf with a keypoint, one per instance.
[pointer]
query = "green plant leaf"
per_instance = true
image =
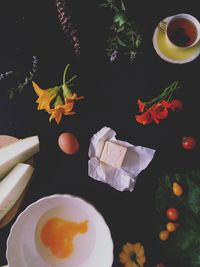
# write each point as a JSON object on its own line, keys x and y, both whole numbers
{"x": 123, "y": 6}
{"x": 119, "y": 19}
{"x": 120, "y": 42}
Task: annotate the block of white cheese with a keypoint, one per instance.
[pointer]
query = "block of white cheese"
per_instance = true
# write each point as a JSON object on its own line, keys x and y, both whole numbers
{"x": 113, "y": 154}
{"x": 13, "y": 185}
{"x": 17, "y": 152}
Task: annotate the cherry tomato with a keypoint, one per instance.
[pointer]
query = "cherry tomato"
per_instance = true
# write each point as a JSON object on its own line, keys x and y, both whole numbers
{"x": 172, "y": 214}
{"x": 188, "y": 142}
{"x": 171, "y": 226}
{"x": 164, "y": 235}
{"x": 177, "y": 189}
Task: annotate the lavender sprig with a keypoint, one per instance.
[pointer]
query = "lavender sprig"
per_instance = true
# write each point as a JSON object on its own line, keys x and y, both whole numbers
{"x": 67, "y": 27}
{"x": 3, "y": 76}
{"x": 27, "y": 79}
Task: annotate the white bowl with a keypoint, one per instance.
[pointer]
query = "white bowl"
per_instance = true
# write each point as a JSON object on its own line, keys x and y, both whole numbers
{"x": 92, "y": 249}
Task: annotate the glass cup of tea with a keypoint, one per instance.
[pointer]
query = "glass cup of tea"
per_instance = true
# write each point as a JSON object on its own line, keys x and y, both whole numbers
{"x": 181, "y": 30}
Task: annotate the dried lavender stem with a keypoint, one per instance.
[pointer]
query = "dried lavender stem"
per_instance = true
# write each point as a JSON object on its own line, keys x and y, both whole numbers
{"x": 67, "y": 27}
{"x": 5, "y": 75}
{"x": 28, "y": 78}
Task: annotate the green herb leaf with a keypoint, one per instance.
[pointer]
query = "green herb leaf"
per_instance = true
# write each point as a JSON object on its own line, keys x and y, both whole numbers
{"x": 127, "y": 40}
{"x": 120, "y": 42}
{"x": 123, "y": 6}
{"x": 119, "y": 19}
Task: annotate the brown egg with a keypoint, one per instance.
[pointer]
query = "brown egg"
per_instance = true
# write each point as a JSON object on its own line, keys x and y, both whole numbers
{"x": 68, "y": 143}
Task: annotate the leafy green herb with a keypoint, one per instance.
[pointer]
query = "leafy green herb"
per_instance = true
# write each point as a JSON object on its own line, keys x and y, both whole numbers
{"x": 183, "y": 246}
{"x": 124, "y": 37}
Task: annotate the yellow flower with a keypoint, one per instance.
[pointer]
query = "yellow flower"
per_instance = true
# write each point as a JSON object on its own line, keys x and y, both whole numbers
{"x": 59, "y": 110}
{"x": 45, "y": 96}
{"x": 132, "y": 255}
{"x": 59, "y": 100}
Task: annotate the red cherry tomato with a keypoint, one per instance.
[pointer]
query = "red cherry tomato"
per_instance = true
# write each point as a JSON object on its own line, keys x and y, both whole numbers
{"x": 172, "y": 214}
{"x": 188, "y": 142}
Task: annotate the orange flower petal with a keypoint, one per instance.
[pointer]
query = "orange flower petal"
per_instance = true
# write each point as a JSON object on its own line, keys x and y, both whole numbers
{"x": 127, "y": 248}
{"x": 123, "y": 257}
{"x": 140, "y": 251}
{"x": 141, "y": 260}
{"x": 37, "y": 89}
{"x": 136, "y": 247}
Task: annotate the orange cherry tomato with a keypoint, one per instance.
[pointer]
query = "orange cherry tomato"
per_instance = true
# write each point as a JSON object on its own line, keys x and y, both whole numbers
{"x": 177, "y": 189}
{"x": 172, "y": 214}
{"x": 164, "y": 235}
{"x": 171, "y": 226}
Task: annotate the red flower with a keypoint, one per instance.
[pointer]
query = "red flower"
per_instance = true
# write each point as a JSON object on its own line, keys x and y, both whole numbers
{"x": 141, "y": 105}
{"x": 144, "y": 118}
{"x": 159, "y": 111}
{"x": 176, "y": 105}
{"x": 165, "y": 104}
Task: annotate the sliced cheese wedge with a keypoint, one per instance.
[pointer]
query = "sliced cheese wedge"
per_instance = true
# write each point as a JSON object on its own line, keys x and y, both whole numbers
{"x": 13, "y": 185}
{"x": 17, "y": 152}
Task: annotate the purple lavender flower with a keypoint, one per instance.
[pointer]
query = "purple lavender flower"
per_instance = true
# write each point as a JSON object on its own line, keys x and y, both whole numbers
{"x": 67, "y": 27}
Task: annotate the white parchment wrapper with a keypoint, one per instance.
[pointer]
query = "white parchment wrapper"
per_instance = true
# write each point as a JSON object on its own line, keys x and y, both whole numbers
{"x": 137, "y": 158}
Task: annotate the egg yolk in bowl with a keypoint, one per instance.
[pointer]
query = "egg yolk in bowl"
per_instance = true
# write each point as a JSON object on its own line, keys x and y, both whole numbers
{"x": 57, "y": 234}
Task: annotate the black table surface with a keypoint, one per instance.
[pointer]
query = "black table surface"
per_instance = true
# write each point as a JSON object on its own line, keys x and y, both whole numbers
{"x": 111, "y": 91}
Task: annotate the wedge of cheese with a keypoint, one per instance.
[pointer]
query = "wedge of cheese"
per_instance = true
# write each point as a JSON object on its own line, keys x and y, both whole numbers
{"x": 13, "y": 185}
{"x": 17, "y": 152}
{"x": 113, "y": 154}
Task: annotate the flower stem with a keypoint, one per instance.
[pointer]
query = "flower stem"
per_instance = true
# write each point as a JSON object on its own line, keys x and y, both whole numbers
{"x": 66, "y": 91}
{"x": 65, "y": 73}
{"x": 166, "y": 94}
{"x": 70, "y": 80}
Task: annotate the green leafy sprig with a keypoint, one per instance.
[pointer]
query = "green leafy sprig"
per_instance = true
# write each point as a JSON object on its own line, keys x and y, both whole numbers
{"x": 124, "y": 38}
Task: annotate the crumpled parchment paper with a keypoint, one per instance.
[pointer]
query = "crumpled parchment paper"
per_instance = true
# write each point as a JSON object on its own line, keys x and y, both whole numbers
{"x": 136, "y": 159}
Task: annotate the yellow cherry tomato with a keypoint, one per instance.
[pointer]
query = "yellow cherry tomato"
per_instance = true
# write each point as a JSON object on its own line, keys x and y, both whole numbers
{"x": 171, "y": 226}
{"x": 177, "y": 189}
{"x": 164, "y": 235}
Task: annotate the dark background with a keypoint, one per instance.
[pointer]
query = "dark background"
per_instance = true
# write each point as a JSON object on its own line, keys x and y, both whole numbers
{"x": 111, "y": 91}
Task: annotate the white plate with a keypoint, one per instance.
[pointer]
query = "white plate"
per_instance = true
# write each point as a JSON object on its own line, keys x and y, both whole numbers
{"x": 173, "y": 55}
{"x": 93, "y": 249}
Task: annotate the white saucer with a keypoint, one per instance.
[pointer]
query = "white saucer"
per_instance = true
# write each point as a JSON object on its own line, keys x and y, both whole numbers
{"x": 173, "y": 55}
{"x": 92, "y": 249}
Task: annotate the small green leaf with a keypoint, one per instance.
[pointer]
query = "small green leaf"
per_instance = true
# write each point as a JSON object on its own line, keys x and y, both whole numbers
{"x": 119, "y": 19}
{"x": 120, "y": 29}
{"x": 123, "y": 6}
{"x": 137, "y": 43}
{"x": 120, "y": 42}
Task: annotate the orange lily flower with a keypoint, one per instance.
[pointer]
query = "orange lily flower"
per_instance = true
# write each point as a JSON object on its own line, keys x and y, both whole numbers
{"x": 59, "y": 100}
{"x": 59, "y": 110}
{"x": 45, "y": 96}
